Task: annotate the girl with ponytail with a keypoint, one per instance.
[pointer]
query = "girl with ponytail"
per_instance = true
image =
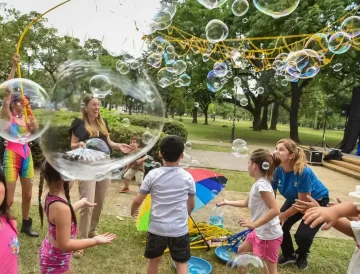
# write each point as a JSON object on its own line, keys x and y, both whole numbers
{"x": 266, "y": 237}
{"x": 295, "y": 180}
{"x": 59, "y": 243}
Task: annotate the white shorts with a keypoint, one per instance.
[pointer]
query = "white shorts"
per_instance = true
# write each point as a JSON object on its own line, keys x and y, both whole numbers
{"x": 138, "y": 174}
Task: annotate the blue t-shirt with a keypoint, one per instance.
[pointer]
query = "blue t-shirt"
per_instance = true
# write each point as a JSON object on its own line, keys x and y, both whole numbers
{"x": 290, "y": 184}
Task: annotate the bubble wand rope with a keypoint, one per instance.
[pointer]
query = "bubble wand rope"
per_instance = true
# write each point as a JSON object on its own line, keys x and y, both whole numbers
{"x": 19, "y": 44}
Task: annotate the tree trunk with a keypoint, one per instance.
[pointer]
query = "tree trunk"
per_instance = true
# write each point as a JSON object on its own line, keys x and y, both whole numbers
{"x": 264, "y": 124}
{"x": 194, "y": 112}
{"x": 130, "y": 107}
{"x": 166, "y": 111}
{"x": 257, "y": 119}
{"x": 294, "y": 112}
{"x": 275, "y": 115}
{"x": 205, "y": 111}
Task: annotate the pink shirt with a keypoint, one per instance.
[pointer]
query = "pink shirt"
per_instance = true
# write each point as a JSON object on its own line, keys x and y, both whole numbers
{"x": 9, "y": 247}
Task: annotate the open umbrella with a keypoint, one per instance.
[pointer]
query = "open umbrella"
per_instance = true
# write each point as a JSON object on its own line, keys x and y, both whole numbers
{"x": 208, "y": 185}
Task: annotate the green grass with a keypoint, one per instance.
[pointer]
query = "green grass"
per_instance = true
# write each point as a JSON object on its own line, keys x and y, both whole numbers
{"x": 211, "y": 148}
{"x": 125, "y": 254}
{"x": 237, "y": 180}
{"x": 216, "y": 132}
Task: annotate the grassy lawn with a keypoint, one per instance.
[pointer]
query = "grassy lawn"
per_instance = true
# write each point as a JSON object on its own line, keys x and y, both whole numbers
{"x": 216, "y": 132}
{"x": 125, "y": 255}
{"x": 237, "y": 181}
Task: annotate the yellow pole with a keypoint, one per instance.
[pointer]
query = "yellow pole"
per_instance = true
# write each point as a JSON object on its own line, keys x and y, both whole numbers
{"x": 20, "y": 41}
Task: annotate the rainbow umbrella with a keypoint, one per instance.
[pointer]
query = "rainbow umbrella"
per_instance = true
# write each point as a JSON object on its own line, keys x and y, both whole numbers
{"x": 208, "y": 185}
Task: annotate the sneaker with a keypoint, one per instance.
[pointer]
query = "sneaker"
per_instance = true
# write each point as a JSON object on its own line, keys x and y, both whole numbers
{"x": 302, "y": 262}
{"x": 124, "y": 190}
{"x": 287, "y": 260}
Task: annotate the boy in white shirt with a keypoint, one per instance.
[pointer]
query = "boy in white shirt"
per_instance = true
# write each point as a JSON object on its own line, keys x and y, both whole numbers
{"x": 172, "y": 191}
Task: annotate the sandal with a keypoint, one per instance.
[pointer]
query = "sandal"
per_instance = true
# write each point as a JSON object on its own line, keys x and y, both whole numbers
{"x": 124, "y": 190}
{"x": 78, "y": 254}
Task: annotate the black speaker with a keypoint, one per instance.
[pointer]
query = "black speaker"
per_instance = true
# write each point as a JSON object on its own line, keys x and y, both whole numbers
{"x": 345, "y": 110}
{"x": 313, "y": 157}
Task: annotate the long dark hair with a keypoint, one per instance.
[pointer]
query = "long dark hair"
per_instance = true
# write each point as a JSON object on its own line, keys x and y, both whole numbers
{"x": 4, "y": 207}
{"x": 51, "y": 176}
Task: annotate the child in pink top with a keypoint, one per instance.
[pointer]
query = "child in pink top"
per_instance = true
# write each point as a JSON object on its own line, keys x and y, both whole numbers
{"x": 59, "y": 243}
{"x": 9, "y": 245}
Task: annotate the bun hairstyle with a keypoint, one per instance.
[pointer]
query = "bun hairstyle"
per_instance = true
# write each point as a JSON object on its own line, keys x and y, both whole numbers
{"x": 298, "y": 163}
{"x": 266, "y": 161}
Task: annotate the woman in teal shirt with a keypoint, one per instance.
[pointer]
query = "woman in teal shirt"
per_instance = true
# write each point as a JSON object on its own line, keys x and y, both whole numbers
{"x": 294, "y": 180}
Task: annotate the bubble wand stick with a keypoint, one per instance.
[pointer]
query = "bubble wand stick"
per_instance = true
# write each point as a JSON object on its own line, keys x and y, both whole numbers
{"x": 19, "y": 44}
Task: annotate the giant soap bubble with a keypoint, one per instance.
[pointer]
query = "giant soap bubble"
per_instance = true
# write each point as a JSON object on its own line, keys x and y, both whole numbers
{"x": 24, "y": 119}
{"x": 275, "y": 9}
{"x": 72, "y": 86}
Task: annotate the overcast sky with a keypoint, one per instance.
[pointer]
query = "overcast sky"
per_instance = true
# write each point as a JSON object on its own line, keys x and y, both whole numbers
{"x": 114, "y": 19}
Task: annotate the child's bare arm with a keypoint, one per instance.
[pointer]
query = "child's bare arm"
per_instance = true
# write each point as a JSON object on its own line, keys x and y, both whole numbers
{"x": 343, "y": 225}
{"x": 62, "y": 216}
{"x": 191, "y": 204}
{"x": 137, "y": 202}
{"x": 241, "y": 203}
{"x": 329, "y": 215}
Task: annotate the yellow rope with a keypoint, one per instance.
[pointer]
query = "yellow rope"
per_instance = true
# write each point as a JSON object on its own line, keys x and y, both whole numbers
{"x": 19, "y": 44}
{"x": 222, "y": 50}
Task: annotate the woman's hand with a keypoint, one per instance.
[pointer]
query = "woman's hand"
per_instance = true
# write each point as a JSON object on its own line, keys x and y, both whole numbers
{"x": 283, "y": 217}
{"x": 247, "y": 223}
{"x": 106, "y": 238}
{"x": 302, "y": 206}
{"x": 82, "y": 145}
{"x": 15, "y": 60}
{"x": 124, "y": 148}
{"x": 221, "y": 203}
{"x": 86, "y": 203}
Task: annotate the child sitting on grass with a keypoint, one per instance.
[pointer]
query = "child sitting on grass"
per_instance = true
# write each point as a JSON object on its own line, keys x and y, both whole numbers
{"x": 134, "y": 169}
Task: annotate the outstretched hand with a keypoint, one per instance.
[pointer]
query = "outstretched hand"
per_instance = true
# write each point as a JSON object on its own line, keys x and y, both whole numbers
{"x": 124, "y": 148}
{"x": 247, "y": 223}
{"x": 86, "y": 203}
{"x": 221, "y": 203}
{"x": 302, "y": 206}
{"x": 106, "y": 238}
{"x": 318, "y": 215}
